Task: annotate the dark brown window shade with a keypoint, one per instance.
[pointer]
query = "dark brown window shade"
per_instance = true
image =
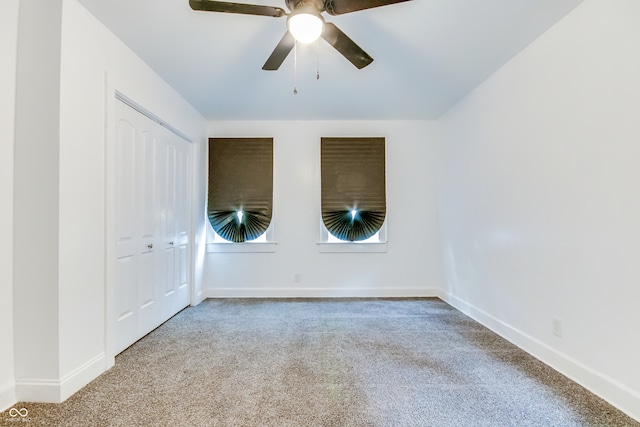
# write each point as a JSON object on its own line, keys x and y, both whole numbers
{"x": 240, "y": 187}
{"x": 354, "y": 202}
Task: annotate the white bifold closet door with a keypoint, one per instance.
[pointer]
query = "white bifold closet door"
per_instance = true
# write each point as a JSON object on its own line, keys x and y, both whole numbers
{"x": 151, "y": 224}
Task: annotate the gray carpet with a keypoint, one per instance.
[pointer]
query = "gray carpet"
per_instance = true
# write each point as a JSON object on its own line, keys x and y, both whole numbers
{"x": 326, "y": 362}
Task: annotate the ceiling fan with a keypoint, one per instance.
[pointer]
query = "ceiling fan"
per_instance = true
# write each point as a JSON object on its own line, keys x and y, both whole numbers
{"x": 304, "y": 24}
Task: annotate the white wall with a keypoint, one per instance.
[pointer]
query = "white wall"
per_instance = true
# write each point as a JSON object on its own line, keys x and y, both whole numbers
{"x": 8, "y": 46}
{"x": 36, "y": 191}
{"x": 90, "y": 53}
{"x": 540, "y": 204}
{"x": 89, "y": 56}
{"x": 410, "y": 267}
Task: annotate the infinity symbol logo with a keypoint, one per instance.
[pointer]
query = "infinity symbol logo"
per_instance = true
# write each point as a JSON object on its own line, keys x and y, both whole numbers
{"x": 13, "y": 412}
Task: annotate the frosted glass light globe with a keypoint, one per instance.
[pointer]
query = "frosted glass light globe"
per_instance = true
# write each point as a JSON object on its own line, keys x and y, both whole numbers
{"x": 305, "y": 27}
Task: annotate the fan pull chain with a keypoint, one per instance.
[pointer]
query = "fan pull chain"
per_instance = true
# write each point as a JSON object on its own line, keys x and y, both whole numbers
{"x": 318, "y": 59}
{"x": 295, "y": 67}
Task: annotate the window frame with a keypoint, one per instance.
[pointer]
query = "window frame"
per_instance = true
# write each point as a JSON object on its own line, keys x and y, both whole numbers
{"x": 327, "y": 245}
{"x": 215, "y": 243}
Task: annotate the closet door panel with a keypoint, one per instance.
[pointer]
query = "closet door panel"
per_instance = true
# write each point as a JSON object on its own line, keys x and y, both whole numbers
{"x": 125, "y": 303}
{"x": 169, "y": 303}
{"x": 126, "y": 261}
{"x": 149, "y": 310}
{"x": 183, "y": 197}
{"x": 151, "y": 225}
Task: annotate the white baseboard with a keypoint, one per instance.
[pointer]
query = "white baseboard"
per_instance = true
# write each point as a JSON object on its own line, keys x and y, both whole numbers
{"x": 299, "y": 292}
{"x": 199, "y": 297}
{"x": 57, "y": 391}
{"x": 82, "y": 376}
{"x": 7, "y": 395}
{"x": 617, "y": 394}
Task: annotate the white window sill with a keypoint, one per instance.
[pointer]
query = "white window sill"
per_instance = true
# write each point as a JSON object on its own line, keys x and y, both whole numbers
{"x": 246, "y": 247}
{"x": 324, "y": 247}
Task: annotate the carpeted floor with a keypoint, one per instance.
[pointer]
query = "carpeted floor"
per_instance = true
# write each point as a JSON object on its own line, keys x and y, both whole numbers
{"x": 325, "y": 362}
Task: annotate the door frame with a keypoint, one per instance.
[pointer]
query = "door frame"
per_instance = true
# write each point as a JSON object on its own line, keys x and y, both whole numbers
{"x": 112, "y": 95}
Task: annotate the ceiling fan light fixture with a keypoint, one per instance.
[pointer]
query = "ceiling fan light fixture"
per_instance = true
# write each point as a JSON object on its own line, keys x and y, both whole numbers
{"x": 305, "y": 27}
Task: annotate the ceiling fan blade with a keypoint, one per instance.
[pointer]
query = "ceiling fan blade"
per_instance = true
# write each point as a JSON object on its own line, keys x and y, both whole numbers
{"x": 338, "y": 7}
{"x": 280, "y": 53}
{"x": 247, "y": 9}
{"x": 347, "y": 47}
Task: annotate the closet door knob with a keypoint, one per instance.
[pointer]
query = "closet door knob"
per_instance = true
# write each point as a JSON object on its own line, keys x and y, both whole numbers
{"x": 150, "y": 245}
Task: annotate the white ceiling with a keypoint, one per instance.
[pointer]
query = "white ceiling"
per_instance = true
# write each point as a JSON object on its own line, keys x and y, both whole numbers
{"x": 427, "y": 55}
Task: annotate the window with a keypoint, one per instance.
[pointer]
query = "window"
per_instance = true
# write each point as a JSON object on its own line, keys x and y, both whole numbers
{"x": 240, "y": 195}
{"x": 353, "y": 188}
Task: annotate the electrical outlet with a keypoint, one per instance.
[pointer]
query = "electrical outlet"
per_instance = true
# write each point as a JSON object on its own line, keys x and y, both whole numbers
{"x": 556, "y": 327}
{"x": 297, "y": 278}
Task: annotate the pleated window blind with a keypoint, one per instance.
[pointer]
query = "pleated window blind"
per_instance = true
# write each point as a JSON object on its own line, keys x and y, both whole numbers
{"x": 240, "y": 194}
{"x": 353, "y": 186}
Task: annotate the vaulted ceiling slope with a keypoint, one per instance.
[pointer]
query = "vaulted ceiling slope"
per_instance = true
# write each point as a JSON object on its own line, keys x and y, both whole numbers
{"x": 428, "y": 54}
